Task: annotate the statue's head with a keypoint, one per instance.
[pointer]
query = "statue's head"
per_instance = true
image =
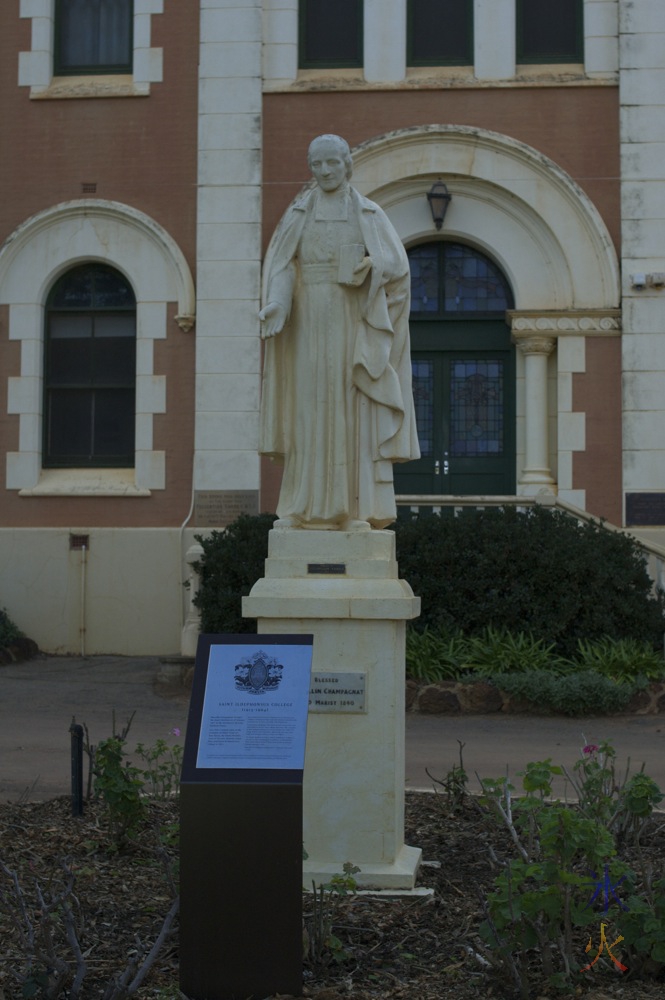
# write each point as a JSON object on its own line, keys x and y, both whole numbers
{"x": 328, "y": 145}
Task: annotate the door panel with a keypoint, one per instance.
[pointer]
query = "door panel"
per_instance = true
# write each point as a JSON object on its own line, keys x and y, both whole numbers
{"x": 465, "y": 418}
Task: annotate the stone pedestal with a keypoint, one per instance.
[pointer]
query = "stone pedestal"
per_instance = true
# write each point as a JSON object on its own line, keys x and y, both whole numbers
{"x": 342, "y": 588}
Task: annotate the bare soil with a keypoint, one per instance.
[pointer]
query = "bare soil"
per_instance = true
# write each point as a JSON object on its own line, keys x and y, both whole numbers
{"x": 420, "y": 949}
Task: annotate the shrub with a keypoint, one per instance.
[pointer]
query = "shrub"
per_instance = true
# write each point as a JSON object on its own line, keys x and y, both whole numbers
{"x": 540, "y": 571}
{"x": 581, "y": 693}
{"x": 232, "y": 562}
{"x": 621, "y": 659}
{"x": 9, "y": 632}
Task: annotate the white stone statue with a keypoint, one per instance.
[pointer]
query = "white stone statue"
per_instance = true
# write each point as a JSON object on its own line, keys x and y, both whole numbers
{"x": 337, "y": 404}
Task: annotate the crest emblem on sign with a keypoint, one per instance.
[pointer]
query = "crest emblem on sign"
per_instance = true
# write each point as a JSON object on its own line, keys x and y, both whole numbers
{"x": 258, "y": 673}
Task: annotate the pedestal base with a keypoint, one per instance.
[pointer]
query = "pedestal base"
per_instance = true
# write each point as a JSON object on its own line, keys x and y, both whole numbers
{"x": 342, "y": 588}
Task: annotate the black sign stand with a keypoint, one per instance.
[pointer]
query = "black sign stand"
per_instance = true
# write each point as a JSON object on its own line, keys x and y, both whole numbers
{"x": 240, "y": 864}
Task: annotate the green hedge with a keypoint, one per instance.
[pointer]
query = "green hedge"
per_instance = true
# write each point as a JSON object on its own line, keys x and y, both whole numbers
{"x": 540, "y": 572}
{"x": 232, "y": 562}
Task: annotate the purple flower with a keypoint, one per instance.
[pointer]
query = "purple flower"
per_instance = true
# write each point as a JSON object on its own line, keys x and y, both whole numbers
{"x": 590, "y": 748}
{"x": 176, "y": 732}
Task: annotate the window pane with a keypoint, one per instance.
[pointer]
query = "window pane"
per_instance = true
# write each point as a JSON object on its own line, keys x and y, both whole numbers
{"x": 73, "y": 290}
{"x": 90, "y": 369}
{"x": 94, "y": 35}
{"x": 331, "y": 33}
{"x": 470, "y": 282}
{"x": 549, "y": 32}
{"x": 476, "y": 408}
{"x": 68, "y": 436}
{"x": 70, "y": 357}
{"x": 423, "y": 398}
{"x": 114, "y": 424}
{"x": 424, "y": 264}
{"x": 440, "y": 32}
{"x": 114, "y": 356}
{"x": 112, "y": 291}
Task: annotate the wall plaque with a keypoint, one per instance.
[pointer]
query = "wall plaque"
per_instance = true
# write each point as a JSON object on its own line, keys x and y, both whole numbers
{"x": 327, "y": 569}
{"x": 337, "y": 692}
{"x": 217, "y": 508}
{"x": 644, "y": 509}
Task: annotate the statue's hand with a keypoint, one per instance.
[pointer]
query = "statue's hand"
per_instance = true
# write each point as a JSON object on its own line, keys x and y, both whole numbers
{"x": 273, "y": 318}
{"x": 361, "y": 270}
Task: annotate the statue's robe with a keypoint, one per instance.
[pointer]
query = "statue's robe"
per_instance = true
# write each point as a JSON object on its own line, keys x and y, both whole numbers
{"x": 337, "y": 403}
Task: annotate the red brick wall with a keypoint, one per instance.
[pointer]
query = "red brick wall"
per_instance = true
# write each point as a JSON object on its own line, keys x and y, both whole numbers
{"x": 140, "y": 151}
{"x": 597, "y": 392}
{"x": 577, "y": 127}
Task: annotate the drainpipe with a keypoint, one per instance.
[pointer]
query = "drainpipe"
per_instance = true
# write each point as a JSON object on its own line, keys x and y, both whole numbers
{"x": 84, "y": 552}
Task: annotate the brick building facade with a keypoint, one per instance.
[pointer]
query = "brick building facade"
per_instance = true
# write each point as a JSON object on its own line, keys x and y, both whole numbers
{"x": 151, "y": 148}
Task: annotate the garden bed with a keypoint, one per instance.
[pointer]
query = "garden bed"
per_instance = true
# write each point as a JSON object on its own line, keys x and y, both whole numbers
{"x": 482, "y": 697}
{"x": 408, "y": 949}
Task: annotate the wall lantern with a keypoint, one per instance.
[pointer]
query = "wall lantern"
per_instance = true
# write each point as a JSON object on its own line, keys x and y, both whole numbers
{"x": 438, "y": 199}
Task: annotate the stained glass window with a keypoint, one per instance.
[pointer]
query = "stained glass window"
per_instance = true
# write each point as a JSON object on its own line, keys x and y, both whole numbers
{"x": 476, "y": 408}
{"x": 423, "y": 398}
{"x": 451, "y": 278}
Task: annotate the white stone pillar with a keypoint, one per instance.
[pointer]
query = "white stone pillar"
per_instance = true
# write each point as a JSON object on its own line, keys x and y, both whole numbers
{"x": 642, "y": 98}
{"x": 494, "y": 28}
{"x": 342, "y": 588}
{"x": 384, "y": 34}
{"x": 192, "y": 626}
{"x": 228, "y": 354}
{"x": 536, "y": 349}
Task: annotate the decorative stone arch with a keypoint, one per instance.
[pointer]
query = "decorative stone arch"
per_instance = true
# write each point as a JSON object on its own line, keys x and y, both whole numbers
{"x": 508, "y": 199}
{"x": 525, "y": 212}
{"x": 31, "y": 260}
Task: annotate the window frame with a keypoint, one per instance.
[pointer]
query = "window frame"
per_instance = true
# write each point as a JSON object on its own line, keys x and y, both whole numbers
{"x": 87, "y": 69}
{"x": 121, "y": 461}
{"x": 412, "y": 61}
{"x": 524, "y": 58}
{"x": 304, "y": 63}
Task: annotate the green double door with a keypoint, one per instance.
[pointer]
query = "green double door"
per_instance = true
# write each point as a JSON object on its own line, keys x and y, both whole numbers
{"x": 464, "y": 395}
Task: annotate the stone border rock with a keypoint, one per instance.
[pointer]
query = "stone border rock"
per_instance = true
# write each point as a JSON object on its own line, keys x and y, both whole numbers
{"x": 20, "y": 649}
{"x": 484, "y": 698}
{"x": 445, "y": 698}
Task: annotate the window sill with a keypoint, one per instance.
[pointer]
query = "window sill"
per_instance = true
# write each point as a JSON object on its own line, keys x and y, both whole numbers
{"x": 86, "y": 482}
{"x": 110, "y": 85}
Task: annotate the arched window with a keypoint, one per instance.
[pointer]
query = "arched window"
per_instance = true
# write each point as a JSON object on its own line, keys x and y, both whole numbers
{"x": 90, "y": 370}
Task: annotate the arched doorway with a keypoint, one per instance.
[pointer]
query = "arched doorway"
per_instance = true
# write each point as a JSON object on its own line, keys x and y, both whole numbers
{"x": 463, "y": 374}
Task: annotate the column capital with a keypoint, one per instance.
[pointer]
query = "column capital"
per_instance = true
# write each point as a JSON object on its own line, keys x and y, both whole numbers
{"x": 565, "y": 322}
{"x": 534, "y": 343}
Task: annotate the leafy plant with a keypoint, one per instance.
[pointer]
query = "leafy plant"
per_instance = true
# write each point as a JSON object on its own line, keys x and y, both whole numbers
{"x": 541, "y": 569}
{"x": 498, "y": 651}
{"x": 620, "y": 659}
{"x": 9, "y": 632}
{"x": 454, "y": 785}
{"x": 319, "y": 943}
{"x": 119, "y": 785}
{"x": 542, "y": 895}
{"x": 432, "y": 656}
{"x": 622, "y": 806}
{"x": 232, "y": 562}
{"x": 161, "y": 776}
